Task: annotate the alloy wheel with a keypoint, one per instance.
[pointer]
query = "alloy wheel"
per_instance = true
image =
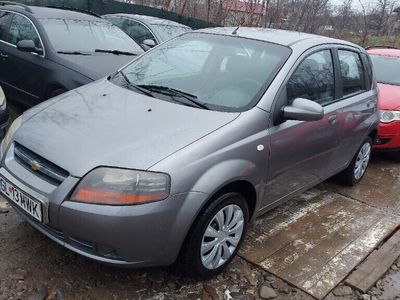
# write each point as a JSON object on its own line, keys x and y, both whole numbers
{"x": 362, "y": 161}
{"x": 222, "y": 236}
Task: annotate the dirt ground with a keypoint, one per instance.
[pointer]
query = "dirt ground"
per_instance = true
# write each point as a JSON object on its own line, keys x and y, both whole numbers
{"x": 33, "y": 267}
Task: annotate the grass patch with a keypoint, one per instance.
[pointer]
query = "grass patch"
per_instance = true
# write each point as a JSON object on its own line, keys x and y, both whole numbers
{"x": 392, "y": 41}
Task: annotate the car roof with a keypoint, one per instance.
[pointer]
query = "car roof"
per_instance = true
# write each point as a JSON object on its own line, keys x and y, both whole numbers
{"x": 149, "y": 19}
{"x": 384, "y": 52}
{"x": 277, "y": 36}
{"x": 50, "y": 12}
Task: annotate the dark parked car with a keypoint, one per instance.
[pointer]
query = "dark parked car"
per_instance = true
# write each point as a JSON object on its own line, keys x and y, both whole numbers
{"x": 3, "y": 114}
{"x": 145, "y": 30}
{"x": 46, "y": 51}
{"x": 175, "y": 153}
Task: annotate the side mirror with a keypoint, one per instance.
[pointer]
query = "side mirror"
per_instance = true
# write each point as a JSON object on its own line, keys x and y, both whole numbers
{"x": 28, "y": 46}
{"x": 148, "y": 44}
{"x": 303, "y": 110}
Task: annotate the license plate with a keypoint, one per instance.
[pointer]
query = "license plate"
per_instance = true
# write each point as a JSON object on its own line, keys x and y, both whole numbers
{"x": 29, "y": 205}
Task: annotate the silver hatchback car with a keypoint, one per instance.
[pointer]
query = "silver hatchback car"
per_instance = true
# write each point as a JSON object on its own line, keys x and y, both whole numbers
{"x": 174, "y": 154}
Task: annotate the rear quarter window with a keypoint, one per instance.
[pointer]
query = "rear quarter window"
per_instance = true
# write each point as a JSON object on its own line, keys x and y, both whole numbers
{"x": 368, "y": 70}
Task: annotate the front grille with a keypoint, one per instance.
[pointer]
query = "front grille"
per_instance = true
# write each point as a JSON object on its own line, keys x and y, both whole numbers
{"x": 39, "y": 165}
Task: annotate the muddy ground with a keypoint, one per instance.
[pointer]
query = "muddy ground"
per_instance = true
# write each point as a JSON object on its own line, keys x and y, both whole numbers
{"x": 33, "y": 267}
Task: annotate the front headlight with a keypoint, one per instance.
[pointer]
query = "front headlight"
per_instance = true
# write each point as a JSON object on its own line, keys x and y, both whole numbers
{"x": 388, "y": 116}
{"x": 112, "y": 186}
{"x": 10, "y": 134}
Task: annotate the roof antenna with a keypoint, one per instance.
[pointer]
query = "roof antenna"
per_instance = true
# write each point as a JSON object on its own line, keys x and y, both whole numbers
{"x": 242, "y": 20}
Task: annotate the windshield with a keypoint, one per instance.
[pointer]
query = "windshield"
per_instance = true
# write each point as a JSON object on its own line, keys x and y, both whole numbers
{"x": 167, "y": 32}
{"x": 87, "y": 36}
{"x": 222, "y": 72}
{"x": 387, "y": 69}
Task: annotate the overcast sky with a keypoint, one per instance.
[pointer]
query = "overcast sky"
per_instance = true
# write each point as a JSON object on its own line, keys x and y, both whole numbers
{"x": 356, "y": 3}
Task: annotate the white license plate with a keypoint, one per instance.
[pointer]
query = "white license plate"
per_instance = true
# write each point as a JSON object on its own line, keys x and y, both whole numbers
{"x": 31, "y": 206}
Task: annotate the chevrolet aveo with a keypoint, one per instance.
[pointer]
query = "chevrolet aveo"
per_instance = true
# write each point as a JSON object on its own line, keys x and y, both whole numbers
{"x": 169, "y": 158}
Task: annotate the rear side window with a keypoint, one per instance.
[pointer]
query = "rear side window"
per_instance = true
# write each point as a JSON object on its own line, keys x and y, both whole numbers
{"x": 22, "y": 29}
{"x": 352, "y": 72}
{"x": 313, "y": 79}
{"x": 4, "y": 20}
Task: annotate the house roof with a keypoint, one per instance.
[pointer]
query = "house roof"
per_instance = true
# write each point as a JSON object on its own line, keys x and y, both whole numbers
{"x": 243, "y": 6}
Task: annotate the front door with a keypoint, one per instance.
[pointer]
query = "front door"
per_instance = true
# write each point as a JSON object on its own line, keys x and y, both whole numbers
{"x": 24, "y": 72}
{"x": 300, "y": 152}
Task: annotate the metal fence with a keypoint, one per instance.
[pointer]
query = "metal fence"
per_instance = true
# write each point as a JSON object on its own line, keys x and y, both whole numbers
{"x": 103, "y": 7}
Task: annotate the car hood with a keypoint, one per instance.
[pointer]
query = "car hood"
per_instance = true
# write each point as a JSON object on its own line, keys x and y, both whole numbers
{"x": 95, "y": 66}
{"x": 389, "y": 96}
{"x": 102, "y": 124}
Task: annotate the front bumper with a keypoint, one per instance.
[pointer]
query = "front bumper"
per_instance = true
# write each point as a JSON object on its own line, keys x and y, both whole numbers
{"x": 388, "y": 137}
{"x": 132, "y": 236}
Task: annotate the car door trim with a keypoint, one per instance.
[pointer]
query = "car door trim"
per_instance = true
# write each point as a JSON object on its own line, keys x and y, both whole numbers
{"x": 20, "y": 90}
{"x": 34, "y": 26}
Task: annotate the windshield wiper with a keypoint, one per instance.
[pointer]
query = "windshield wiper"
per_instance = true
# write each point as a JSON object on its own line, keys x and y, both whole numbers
{"x": 131, "y": 85}
{"x": 173, "y": 93}
{"x": 73, "y": 53}
{"x": 116, "y": 52}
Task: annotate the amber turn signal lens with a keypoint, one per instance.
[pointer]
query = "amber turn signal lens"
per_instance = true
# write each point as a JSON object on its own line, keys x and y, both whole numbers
{"x": 105, "y": 197}
{"x": 112, "y": 186}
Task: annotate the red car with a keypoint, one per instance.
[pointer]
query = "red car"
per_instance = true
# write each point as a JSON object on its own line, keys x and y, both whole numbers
{"x": 386, "y": 63}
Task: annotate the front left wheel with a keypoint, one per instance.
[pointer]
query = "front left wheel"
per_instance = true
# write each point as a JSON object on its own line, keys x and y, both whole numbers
{"x": 216, "y": 236}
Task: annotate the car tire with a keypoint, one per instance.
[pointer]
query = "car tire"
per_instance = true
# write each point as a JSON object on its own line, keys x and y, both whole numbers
{"x": 396, "y": 156}
{"x": 353, "y": 174}
{"x": 56, "y": 92}
{"x": 210, "y": 245}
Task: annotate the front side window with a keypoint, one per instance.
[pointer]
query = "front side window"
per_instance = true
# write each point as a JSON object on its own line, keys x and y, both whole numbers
{"x": 4, "y": 19}
{"x": 138, "y": 32}
{"x": 225, "y": 73}
{"x": 22, "y": 29}
{"x": 352, "y": 72}
{"x": 387, "y": 69}
{"x": 313, "y": 79}
{"x": 68, "y": 35}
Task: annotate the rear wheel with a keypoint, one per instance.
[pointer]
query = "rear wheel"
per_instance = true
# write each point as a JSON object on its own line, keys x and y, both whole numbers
{"x": 216, "y": 236}
{"x": 396, "y": 156}
{"x": 358, "y": 166}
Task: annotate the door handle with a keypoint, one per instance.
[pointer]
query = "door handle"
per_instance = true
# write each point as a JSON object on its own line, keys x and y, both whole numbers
{"x": 3, "y": 55}
{"x": 332, "y": 119}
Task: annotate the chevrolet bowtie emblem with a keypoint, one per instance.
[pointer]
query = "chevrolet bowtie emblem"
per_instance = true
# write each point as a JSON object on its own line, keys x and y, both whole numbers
{"x": 34, "y": 165}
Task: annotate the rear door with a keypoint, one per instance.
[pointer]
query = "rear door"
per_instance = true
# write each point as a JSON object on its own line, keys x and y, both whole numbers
{"x": 5, "y": 19}
{"x": 358, "y": 100}
{"x": 24, "y": 72}
{"x": 300, "y": 152}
